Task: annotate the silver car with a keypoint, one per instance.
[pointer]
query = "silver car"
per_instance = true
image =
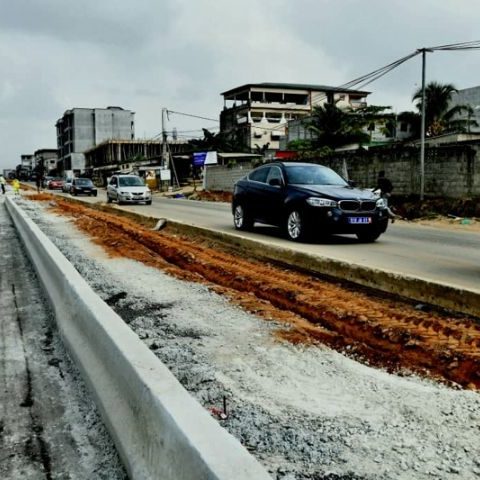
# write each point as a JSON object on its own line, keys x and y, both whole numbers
{"x": 128, "y": 189}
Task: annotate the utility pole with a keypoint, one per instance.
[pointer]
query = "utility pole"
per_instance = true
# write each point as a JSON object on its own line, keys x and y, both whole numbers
{"x": 422, "y": 127}
{"x": 165, "y": 162}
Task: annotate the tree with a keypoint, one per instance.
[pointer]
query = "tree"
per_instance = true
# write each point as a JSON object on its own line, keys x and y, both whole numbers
{"x": 219, "y": 142}
{"x": 334, "y": 127}
{"x": 440, "y": 117}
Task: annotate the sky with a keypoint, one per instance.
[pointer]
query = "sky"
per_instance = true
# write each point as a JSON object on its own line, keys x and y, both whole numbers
{"x": 145, "y": 55}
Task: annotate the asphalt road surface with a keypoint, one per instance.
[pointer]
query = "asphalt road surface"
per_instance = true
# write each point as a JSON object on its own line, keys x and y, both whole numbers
{"x": 442, "y": 255}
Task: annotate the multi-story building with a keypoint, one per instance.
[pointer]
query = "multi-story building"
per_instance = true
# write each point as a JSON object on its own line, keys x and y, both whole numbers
{"x": 47, "y": 157}
{"x": 470, "y": 97}
{"x": 80, "y": 129}
{"x": 258, "y": 113}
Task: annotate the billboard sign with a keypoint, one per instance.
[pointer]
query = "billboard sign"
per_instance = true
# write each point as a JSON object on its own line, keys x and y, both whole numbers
{"x": 204, "y": 158}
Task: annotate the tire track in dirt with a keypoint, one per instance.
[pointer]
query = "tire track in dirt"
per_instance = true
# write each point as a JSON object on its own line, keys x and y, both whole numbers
{"x": 382, "y": 332}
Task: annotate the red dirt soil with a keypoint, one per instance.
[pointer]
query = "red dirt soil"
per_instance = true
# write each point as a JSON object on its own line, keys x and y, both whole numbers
{"x": 382, "y": 332}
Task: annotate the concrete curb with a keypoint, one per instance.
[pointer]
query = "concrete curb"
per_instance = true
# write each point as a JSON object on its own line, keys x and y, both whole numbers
{"x": 160, "y": 431}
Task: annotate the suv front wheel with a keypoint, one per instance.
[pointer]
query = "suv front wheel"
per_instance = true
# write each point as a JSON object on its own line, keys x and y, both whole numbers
{"x": 296, "y": 226}
{"x": 241, "y": 220}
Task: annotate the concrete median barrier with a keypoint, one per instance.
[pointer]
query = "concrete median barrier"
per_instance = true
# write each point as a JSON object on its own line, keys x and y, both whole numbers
{"x": 160, "y": 431}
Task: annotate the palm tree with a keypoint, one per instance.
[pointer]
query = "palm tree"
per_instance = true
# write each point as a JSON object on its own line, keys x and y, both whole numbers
{"x": 220, "y": 142}
{"x": 440, "y": 117}
{"x": 334, "y": 127}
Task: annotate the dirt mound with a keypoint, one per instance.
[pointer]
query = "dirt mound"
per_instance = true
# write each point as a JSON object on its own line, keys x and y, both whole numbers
{"x": 212, "y": 196}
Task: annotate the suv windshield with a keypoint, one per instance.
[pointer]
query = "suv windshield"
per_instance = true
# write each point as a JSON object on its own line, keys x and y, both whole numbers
{"x": 313, "y": 175}
{"x": 130, "y": 182}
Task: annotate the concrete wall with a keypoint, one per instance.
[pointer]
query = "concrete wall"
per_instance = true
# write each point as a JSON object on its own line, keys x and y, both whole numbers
{"x": 113, "y": 123}
{"x": 83, "y": 129}
{"x": 450, "y": 171}
{"x": 222, "y": 178}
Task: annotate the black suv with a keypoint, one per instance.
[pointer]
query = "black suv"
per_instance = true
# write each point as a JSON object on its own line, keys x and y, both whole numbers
{"x": 307, "y": 199}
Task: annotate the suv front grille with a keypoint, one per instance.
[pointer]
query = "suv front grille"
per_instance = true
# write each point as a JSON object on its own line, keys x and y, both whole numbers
{"x": 357, "y": 205}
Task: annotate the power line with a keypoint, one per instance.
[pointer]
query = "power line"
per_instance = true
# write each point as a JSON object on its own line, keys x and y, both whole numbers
{"x": 473, "y": 45}
{"x": 194, "y": 116}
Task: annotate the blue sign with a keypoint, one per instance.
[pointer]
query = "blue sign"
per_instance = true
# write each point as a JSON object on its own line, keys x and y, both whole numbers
{"x": 199, "y": 159}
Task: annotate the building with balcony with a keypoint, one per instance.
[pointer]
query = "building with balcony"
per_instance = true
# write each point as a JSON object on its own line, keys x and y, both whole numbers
{"x": 470, "y": 97}
{"x": 81, "y": 129}
{"x": 257, "y": 113}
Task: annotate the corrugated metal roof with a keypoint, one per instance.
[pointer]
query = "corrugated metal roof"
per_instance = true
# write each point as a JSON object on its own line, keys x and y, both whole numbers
{"x": 293, "y": 86}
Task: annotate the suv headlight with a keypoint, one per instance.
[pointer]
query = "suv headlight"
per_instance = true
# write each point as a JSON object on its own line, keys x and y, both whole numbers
{"x": 381, "y": 203}
{"x": 321, "y": 202}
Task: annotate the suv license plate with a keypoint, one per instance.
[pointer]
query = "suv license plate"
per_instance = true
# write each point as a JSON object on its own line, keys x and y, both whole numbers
{"x": 359, "y": 219}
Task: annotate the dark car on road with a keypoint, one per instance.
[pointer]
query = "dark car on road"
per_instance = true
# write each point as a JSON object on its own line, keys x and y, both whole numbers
{"x": 307, "y": 199}
{"x": 83, "y": 186}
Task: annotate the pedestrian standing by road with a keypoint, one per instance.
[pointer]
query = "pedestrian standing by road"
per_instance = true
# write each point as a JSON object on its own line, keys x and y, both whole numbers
{"x": 3, "y": 183}
{"x": 38, "y": 182}
{"x": 16, "y": 186}
{"x": 384, "y": 185}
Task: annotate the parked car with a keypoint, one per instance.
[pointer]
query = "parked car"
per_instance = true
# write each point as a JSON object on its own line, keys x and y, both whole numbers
{"x": 128, "y": 189}
{"x": 55, "y": 183}
{"x": 307, "y": 199}
{"x": 45, "y": 181}
{"x": 83, "y": 186}
{"x": 67, "y": 183}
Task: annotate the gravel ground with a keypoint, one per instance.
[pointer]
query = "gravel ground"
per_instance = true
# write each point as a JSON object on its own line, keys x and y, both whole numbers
{"x": 304, "y": 412}
{"x": 49, "y": 425}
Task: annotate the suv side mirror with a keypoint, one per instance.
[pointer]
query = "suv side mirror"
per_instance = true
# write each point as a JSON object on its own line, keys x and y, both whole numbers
{"x": 275, "y": 182}
{"x": 352, "y": 183}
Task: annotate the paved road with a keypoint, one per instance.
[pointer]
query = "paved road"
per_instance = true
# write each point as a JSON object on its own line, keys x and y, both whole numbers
{"x": 447, "y": 256}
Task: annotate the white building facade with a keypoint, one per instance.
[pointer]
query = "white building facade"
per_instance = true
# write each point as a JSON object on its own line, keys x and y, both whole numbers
{"x": 258, "y": 113}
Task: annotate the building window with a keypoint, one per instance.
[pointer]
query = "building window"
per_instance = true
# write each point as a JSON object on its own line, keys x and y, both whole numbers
{"x": 271, "y": 97}
{"x": 296, "y": 98}
{"x": 273, "y": 117}
{"x": 256, "y": 117}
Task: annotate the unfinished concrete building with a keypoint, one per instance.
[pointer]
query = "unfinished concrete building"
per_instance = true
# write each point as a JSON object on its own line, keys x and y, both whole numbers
{"x": 81, "y": 129}
{"x": 131, "y": 155}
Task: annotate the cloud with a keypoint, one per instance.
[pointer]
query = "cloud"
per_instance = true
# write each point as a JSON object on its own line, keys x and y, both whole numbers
{"x": 144, "y": 55}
